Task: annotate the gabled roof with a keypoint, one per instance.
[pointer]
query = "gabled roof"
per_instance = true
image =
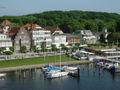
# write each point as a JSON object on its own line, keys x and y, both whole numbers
{"x": 5, "y": 22}
{"x": 52, "y": 28}
{"x": 32, "y": 26}
{"x": 13, "y": 31}
{"x": 27, "y": 25}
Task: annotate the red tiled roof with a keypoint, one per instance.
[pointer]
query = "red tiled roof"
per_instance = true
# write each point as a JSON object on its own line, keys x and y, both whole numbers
{"x": 5, "y": 22}
{"x": 13, "y": 30}
{"x": 32, "y": 26}
{"x": 35, "y": 25}
{"x": 27, "y": 25}
{"x": 52, "y": 29}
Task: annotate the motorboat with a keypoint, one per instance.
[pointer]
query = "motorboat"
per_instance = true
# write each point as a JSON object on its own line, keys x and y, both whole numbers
{"x": 108, "y": 65}
{"x": 100, "y": 63}
{"x": 69, "y": 68}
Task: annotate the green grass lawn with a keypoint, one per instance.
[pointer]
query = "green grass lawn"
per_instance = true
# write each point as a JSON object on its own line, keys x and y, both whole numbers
{"x": 30, "y": 61}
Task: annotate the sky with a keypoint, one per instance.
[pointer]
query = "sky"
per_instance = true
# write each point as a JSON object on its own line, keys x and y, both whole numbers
{"x": 23, "y": 7}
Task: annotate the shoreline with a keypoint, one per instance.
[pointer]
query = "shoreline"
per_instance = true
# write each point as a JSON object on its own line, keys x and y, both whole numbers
{"x": 41, "y": 65}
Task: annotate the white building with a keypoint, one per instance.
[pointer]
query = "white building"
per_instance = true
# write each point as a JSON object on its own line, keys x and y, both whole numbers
{"x": 39, "y": 36}
{"x": 86, "y": 37}
{"x": 58, "y": 37}
{"x": 5, "y": 41}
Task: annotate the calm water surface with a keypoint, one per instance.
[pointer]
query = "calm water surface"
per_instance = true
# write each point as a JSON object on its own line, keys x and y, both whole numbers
{"x": 92, "y": 78}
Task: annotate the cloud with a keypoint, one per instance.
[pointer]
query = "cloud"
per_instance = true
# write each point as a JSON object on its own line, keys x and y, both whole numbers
{"x": 2, "y": 7}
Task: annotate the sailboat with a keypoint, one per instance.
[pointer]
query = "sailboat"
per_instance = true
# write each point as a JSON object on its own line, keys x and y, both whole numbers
{"x": 57, "y": 74}
{"x": 49, "y": 68}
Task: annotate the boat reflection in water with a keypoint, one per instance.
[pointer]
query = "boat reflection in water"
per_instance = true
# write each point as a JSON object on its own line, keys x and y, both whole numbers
{"x": 92, "y": 77}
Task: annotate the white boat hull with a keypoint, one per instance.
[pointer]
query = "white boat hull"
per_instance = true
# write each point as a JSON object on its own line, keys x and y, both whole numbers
{"x": 57, "y": 74}
{"x": 69, "y": 68}
{"x": 2, "y": 75}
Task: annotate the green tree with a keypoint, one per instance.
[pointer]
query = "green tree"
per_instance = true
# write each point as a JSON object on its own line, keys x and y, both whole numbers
{"x": 23, "y": 49}
{"x": 54, "y": 48}
{"x": 34, "y": 48}
{"x": 69, "y": 21}
{"x": 63, "y": 46}
{"x": 8, "y": 52}
{"x": 77, "y": 44}
{"x": 102, "y": 38}
{"x": 43, "y": 47}
{"x": 114, "y": 36}
{"x": 12, "y": 49}
{"x": 70, "y": 44}
{"x": 51, "y": 23}
{"x": 42, "y": 22}
{"x": 1, "y": 50}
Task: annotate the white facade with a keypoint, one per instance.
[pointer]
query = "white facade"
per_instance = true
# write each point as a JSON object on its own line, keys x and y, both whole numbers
{"x": 5, "y": 41}
{"x": 105, "y": 34}
{"x": 39, "y": 36}
{"x": 59, "y": 38}
{"x": 87, "y": 37}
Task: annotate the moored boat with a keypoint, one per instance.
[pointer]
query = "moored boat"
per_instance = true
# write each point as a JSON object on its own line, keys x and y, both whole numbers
{"x": 57, "y": 74}
{"x": 75, "y": 73}
{"x": 2, "y": 75}
{"x": 69, "y": 68}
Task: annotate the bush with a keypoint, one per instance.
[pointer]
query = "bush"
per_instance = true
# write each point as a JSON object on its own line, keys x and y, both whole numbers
{"x": 12, "y": 49}
{"x": 34, "y": 48}
{"x": 8, "y": 52}
{"x": 23, "y": 49}
{"x": 1, "y": 50}
{"x": 77, "y": 44}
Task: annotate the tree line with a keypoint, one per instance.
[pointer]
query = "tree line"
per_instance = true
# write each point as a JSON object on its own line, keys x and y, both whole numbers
{"x": 69, "y": 21}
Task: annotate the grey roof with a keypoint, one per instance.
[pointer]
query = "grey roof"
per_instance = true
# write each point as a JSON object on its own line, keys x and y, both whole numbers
{"x": 72, "y": 36}
{"x": 57, "y": 34}
{"x": 84, "y": 32}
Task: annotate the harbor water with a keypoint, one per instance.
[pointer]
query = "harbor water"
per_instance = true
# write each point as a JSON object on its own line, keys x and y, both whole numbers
{"x": 91, "y": 77}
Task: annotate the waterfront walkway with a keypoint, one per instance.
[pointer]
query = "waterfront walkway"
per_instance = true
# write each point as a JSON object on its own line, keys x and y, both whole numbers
{"x": 41, "y": 65}
{"x": 26, "y": 55}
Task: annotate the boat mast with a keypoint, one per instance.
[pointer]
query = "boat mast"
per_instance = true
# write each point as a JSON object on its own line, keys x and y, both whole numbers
{"x": 60, "y": 58}
{"x": 44, "y": 50}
